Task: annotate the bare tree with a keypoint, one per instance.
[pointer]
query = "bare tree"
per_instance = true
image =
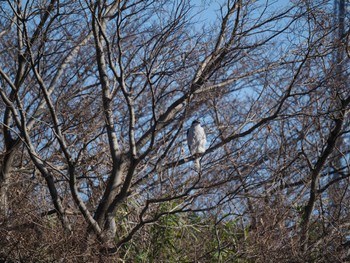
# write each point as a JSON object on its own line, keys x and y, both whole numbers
{"x": 96, "y": 97}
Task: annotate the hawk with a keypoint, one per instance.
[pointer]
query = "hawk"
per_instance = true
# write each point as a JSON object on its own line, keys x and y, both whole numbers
{"x": 196, "y": 140}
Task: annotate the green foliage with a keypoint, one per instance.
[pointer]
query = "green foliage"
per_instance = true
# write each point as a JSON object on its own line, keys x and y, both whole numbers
{"x": 186, "y": 237}
{"x": 169, "y": 237}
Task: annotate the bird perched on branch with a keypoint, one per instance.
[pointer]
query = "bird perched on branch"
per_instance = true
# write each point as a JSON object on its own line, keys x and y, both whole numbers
{"x": 196, "y": 140}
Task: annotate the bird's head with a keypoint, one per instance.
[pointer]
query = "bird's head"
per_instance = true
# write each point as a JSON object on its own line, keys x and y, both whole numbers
{"x": 196, "y": 122}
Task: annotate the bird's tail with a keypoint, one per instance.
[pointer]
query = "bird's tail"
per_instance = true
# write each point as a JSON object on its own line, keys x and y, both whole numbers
{"x": 197, "y": 164}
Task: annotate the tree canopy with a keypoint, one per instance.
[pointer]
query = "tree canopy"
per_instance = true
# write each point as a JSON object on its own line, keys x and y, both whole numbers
{"x": 95, "y": 101}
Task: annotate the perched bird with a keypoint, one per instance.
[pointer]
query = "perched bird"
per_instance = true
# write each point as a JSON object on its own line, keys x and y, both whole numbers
{"x": 196, "y": 140}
